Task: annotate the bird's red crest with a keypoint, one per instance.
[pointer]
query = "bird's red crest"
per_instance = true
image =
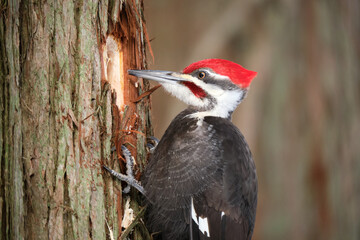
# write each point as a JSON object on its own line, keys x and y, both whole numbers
{"x": 238, "y": 75}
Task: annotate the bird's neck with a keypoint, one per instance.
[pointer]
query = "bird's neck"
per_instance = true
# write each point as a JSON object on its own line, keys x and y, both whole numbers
{"x": 222, "y": 106}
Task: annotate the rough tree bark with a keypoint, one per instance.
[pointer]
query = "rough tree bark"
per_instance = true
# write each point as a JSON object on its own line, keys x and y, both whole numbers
{"x": 66, "y": 107}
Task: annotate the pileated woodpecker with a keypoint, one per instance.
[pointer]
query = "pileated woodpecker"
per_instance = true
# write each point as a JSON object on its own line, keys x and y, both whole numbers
{"x": 201, "y": 180}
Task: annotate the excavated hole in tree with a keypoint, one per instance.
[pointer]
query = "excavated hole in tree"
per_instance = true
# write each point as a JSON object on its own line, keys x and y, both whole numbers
{"x": 113, "y": 58}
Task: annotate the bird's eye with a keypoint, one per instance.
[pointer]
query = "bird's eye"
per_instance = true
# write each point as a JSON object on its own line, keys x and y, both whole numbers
{"x": 201, "y": 75}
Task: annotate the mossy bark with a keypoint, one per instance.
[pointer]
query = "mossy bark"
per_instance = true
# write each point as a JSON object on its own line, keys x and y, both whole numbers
{"x": 61, "y": 119}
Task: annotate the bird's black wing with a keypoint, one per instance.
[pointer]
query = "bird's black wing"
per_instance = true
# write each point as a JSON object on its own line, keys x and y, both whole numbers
{"x": 229, "y": 204}
{"x": 184, "y": 163}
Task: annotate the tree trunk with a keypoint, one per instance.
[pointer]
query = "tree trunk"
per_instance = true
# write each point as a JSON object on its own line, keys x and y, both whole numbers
{"x": 66, "y": 108}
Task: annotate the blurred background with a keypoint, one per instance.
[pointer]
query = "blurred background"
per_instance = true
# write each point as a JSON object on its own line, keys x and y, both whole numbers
{"x": 302, "y": 115}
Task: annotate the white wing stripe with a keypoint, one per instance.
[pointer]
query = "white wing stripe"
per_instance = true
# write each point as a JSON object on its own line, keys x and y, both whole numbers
{"x": 202, "y": 222}
{"x": 193, "y": 213}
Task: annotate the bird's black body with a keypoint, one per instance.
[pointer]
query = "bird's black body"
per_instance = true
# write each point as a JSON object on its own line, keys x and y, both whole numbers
{"x": 208, "y": 160}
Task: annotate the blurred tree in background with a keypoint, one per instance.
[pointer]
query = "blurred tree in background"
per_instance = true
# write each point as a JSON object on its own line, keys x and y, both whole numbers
{"x": 302, "y": 114}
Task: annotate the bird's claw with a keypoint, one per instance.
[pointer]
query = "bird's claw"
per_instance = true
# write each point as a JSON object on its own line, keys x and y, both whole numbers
{"x": 129, "y": 177}
{"x": 153, "y": 145}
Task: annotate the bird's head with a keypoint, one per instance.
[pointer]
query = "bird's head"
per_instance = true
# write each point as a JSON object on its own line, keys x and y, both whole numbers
{"x": 213, "y": 86}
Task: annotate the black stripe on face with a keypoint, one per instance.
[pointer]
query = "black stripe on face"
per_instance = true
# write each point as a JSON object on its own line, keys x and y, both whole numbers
{"x": 210, "y": 78}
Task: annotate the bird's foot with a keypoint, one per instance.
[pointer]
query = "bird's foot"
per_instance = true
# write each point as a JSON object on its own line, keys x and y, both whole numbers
{"x": 129, "y": 177}
{"x": 153, "y": 144}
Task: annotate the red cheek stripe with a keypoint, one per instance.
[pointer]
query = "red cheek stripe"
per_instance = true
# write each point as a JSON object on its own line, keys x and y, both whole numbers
{"x": 197, "y": 91}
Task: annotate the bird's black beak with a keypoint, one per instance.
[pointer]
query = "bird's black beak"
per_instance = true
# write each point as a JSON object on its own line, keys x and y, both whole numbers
{"x": 157, "y": 75}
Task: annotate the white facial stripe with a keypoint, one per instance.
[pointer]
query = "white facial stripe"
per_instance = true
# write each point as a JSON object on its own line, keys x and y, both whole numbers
{"x": 218, "y": 76}
{"x": 202, "y": 223}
